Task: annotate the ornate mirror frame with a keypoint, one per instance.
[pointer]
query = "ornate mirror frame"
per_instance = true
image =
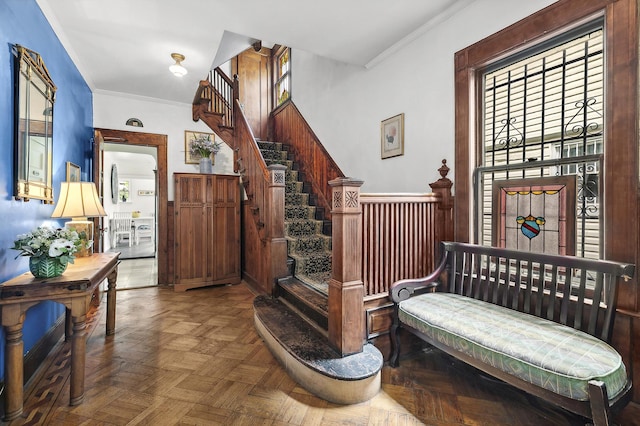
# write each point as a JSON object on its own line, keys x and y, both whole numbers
{"x": 34, "y": 96}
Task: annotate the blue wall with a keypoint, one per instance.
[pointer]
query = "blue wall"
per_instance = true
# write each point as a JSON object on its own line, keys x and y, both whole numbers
{"x": 22, "y": 22}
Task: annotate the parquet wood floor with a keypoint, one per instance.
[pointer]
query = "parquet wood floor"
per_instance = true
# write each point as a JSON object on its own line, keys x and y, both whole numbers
{"x": 194, "y": 358}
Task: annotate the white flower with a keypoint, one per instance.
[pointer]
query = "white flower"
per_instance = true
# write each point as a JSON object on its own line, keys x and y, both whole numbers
{"x": 203, "y": 146}
{"x": 58, "y": 247}
{"x": 48, "y": 242}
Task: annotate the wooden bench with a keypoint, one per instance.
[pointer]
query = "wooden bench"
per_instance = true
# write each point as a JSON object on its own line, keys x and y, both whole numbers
{"x": 539, "y": 322}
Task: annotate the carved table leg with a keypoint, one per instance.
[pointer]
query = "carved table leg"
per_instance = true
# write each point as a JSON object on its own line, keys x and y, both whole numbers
{"x": 111, "y": 302}
{"x": 13, "y": 372}
{"x": 68, "y": 325}
{"x": 78, "y": 348}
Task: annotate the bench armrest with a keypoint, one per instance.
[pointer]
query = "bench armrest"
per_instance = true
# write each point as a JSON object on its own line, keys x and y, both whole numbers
{"x": 404, "y": 289}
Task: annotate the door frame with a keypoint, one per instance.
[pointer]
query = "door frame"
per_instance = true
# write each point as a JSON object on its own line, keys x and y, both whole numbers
{"x": 160, "y": 143}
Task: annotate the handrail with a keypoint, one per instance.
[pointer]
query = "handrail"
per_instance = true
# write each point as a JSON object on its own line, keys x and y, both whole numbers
{"x": 245, "y": 140}
{"x": 254, "y": 173}
{"x": 224, "y": 95}
{"x": 216, "y": 96}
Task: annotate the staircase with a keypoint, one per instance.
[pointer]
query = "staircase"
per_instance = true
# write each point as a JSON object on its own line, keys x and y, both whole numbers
{"x": 292, "y": 316}
{"x": 307, "y": 245}
{"x": 295, "y": 323}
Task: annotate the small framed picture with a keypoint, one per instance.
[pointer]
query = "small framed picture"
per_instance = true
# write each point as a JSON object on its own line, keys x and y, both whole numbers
{"x": 392, "y": 134}
{"x": 73, "y": 172}
{"x": 190, "y": 136}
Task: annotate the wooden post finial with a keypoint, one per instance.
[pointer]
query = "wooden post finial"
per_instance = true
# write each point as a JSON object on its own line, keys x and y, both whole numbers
{"x": 444, "y": 169}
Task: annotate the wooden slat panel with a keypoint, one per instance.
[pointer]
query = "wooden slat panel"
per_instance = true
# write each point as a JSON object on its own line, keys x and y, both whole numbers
{"x": 398, "y": 238}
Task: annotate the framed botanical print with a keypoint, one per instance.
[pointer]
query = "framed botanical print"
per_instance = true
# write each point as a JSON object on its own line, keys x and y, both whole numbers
{"x": 190, "y": 136}
{"x": 392, "y": 135}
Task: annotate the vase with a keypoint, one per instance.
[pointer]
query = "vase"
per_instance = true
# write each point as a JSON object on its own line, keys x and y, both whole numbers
{"x": 205, "y": 165}
{"x": 46, "y": 267}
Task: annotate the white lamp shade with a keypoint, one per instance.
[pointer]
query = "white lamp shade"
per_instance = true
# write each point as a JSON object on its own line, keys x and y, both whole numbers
{"x": 178, "y": 70}
{"x": 78, "y": 199}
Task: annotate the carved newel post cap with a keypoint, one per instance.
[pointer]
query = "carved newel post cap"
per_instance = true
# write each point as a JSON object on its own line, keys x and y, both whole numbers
{"x": 444, "y": 169}
{"x": 346, "y": 181}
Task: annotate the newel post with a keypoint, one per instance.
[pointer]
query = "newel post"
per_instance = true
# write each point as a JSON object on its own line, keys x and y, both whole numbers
{"x": 276, "y": 253}
{"x": 346, "y": 290}
{"x": 444, "y": 212}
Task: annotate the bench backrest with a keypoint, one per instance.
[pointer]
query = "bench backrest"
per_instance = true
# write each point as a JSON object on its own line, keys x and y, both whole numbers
{"x": 563, "y": 289}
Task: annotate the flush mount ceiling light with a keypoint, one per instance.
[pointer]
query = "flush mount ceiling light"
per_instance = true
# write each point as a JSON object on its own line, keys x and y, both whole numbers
{"x": 177, "y": 69}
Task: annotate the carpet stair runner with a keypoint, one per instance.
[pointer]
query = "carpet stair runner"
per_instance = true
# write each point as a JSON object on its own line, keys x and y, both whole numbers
{"x": 306, "y": 244}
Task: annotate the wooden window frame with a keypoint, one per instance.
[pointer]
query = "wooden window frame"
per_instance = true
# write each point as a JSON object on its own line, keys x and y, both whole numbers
{"x": 278, "y": 51}
{"x": 621, "y": 117}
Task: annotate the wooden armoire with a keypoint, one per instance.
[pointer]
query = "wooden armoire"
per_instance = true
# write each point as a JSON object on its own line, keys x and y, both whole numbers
{"x": 207, "y": 230}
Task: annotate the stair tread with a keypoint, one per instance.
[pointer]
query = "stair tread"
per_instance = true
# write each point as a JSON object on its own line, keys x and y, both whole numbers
{"x": 310, "y": 347}
{"x": 311, "y": 297}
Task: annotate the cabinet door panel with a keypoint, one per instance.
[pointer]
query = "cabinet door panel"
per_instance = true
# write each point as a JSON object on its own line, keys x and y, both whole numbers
{"x": 207, "y": 230}
{"x": 227, "y": 227}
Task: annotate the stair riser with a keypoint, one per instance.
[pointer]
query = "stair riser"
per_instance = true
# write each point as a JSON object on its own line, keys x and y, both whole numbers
{"x": 310, "y": 313}
{"x": 308, "y": 245}
{"x": 296, "y": 199}
{"x": 299, "y": 212}
{"x": 304, "y": 228}
{"x": 310, "y": 265}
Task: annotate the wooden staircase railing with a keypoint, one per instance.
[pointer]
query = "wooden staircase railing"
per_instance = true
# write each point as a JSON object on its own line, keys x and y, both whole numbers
{"x": 379, "y": 239}
{"x": 264, "y": 210}
{"x": 398, "y": 238}
{"x": 216, "y": 103}
{"x": 213, "y": 103}
{"x": 401, "y": 234}
{"x": 290, "y": 127}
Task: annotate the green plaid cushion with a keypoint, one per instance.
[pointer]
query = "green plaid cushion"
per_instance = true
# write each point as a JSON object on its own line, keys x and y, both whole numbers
{"x": 550, "y": 355}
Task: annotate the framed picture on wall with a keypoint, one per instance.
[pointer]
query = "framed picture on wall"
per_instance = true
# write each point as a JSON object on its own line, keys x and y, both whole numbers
{"x": 392, "y": 133}
{"x": 191, "y": 136}
{"x": 73, "y": 172}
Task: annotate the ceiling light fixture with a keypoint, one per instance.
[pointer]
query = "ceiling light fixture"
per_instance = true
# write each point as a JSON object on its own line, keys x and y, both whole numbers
{"x": 177, "y": 69}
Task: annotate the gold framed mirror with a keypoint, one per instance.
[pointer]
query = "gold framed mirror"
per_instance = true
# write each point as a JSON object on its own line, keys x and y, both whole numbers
{"x": 34, "y": 96}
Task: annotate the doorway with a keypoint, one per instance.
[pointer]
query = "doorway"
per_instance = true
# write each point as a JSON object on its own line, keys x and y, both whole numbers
{"x": 130, "y": 200}
{"x": 126, "y": 141}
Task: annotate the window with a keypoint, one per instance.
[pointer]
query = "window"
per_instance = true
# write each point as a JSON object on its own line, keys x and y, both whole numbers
{"x": 618, "y": 173}
{"x": 543, "y": 116}
{"x": 124, "y": 193}
{"x": 282, "y": 87}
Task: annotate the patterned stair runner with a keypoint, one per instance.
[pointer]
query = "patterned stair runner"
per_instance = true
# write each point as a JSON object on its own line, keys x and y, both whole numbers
{"x": 306, "y": 244}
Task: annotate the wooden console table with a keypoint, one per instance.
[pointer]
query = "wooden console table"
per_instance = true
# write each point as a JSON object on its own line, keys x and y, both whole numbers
{"x": 73, "y": 289}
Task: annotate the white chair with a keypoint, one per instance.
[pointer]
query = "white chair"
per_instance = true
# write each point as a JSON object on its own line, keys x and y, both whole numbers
{"x": 144, "y": 230}
{"x": 121, "y": 226}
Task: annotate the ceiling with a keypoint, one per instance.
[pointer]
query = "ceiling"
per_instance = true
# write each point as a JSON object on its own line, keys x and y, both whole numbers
{"x": 125, "y": 46}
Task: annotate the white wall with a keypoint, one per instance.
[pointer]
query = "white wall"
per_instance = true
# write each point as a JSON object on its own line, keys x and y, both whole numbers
{"x": 111, "y": 111}
{"x": 344, "y": 104}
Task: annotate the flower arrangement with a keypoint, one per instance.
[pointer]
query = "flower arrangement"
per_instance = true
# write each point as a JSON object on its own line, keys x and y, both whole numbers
{"x": 45, "y": 242}
{"x": 203, "y": 146}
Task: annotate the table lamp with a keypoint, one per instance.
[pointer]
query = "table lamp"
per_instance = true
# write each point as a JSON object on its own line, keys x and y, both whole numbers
{"x": 79, "y": 200}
